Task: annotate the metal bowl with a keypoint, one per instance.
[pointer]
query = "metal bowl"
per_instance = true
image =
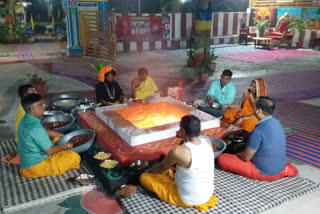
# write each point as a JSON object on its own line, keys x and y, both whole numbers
{"x": 139, "y": 164}
{"x": 58, "y": 118}
{"x": 83, "y": 179}
{"x": 86, "y": 101}
{"x": 82, "y": 108}
{"x": 236, "y": 138}
{"x": 220, "y": 144}
{"x": 82, "y": 148}
{"x": 66, "y": 97}
{"x": 49, "y": 113}
{"x": 66, "y": 105}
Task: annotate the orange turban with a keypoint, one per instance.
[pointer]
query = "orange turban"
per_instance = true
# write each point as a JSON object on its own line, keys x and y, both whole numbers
{"x": 103, "y": 71}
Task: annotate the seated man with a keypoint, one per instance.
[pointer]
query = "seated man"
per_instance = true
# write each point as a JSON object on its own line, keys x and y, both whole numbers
{"x": 39, "y": 156}
{"x": 191, "y": 183}
{"x": 220, "y": 93}
{"x": 265, "y": 155}
{"x": 143, "y": 86}
{"x": 24, "y": 90}
{"x": 244, "y": 33}
{"x": 109, "y": 91}
{"x": 103, "y": 71}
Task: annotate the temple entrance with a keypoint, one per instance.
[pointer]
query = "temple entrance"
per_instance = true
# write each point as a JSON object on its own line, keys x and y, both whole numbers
{"x": 97, "y": 33}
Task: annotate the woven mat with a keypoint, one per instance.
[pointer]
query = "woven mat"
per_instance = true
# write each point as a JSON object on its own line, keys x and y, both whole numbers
{"x": 302, "y": 117}
{"x": 304, "y": 149}
{"x": 235, "y": 193}
{"x": 17, "y": 192}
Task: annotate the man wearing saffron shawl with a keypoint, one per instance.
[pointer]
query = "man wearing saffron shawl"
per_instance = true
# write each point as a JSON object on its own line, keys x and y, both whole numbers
{"x": 143, "y": 86}
{"x": 108, "y": 91}
{"x": 242, "y": 114}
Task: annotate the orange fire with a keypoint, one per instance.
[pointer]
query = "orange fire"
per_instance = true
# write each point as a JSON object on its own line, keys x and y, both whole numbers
{"x": 150, "y": 115}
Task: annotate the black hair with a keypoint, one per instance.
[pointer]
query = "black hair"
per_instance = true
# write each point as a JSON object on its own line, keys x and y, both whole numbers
{"x": 112, "y": 72}
{"x": 28, "y": 100}
{"x": 191, "y": 125}
{"x": 142, "y": 70}
{"x": 227, "y": 72}
{"x": 22, "y": 90}
{"x": 266, "y": 104}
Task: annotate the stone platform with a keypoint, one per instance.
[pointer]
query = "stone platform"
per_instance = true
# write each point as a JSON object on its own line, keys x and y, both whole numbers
{"x": 155, "y": 120}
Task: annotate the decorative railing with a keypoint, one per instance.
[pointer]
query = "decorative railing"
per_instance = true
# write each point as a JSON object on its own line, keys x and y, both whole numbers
{"x": 284, "y": 3}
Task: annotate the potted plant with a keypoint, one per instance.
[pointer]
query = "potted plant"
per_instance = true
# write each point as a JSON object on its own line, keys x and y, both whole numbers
{"x": 38, "y": 83}
{"x": 97, "y": 66}
{"x": 21, "y": 34}
{"x": 262, "y": 25}
{"x": 298, "y": 25}
{"x": 4, "y": 34}
{"x": 212, "y": 62}
{"x": 208, "y": 66}
{"x": 190, "y": 60}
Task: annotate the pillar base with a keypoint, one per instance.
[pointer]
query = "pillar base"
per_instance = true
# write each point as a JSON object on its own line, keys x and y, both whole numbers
{"x": 74, "y": 51}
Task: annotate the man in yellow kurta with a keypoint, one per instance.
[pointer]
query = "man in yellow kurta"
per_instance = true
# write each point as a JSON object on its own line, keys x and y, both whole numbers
{"x": 23, "y": 90}
{"x": 143, "y": 86}
{"x": 39, "y": 156}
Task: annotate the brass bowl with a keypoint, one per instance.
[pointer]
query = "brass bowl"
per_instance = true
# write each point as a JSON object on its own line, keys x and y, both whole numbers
{"x": 66, "y": 105}
{"x": 139, "y": 164}
{"x": 126, "y": 190}
{"x": 108, "y": 155}
{"x": 113, "y": 163}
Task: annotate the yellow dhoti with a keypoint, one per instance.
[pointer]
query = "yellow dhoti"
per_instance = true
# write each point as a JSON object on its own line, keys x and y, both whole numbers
{"x": 164, "y": 186}
{"x": 146, "y": 89}
{"x": 56, "y": 164}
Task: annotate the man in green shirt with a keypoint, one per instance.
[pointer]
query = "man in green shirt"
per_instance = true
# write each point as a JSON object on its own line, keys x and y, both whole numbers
{"x": 221, "y": 92}
{"x": 39, "y": 156}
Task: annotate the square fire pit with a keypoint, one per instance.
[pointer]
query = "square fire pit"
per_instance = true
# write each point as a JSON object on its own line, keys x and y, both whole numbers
{"x": 157, "y": 119}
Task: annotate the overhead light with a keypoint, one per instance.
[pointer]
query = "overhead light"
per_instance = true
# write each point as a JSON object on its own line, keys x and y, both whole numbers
{"x": 24, "y": 4}
{"x": 183, "y": 1}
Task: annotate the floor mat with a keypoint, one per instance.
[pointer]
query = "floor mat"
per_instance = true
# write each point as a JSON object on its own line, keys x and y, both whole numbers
{"x": 302, "y": 117}
{"x": 268, "y": 55}
{"x": 235, "y": 193}
{"x": 18, "y": 192}
{"x": 37, "y": 50}
{"x": 304, "y": 149}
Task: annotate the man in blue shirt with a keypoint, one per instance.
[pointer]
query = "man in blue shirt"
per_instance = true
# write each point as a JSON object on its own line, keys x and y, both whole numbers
{"x": 220, "y": 93}
{"x": 39, "y": 156}
{"x": 265, "y": 155}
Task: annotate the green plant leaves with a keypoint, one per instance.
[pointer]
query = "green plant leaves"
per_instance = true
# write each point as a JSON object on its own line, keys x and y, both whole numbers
{"x": 202, "y": 43}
